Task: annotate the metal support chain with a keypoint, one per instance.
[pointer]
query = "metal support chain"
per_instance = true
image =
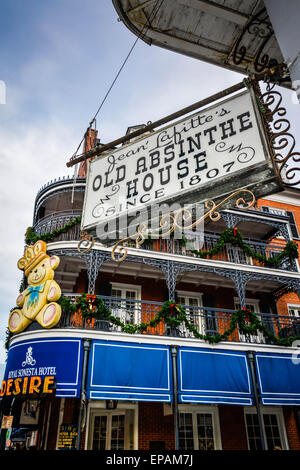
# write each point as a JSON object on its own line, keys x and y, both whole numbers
{"x": 169, "y": 270}
{"x": 94, "y": 261}
{"x": 230, "y": 219}
{"x": 294, "y": 284}
{"x": 171, "y": 276}
{"x": 285, "y": 232}
{"x": 240, "y": 279}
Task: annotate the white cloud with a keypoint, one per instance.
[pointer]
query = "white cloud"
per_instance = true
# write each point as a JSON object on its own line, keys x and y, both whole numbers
{"x": 2, "y": 353}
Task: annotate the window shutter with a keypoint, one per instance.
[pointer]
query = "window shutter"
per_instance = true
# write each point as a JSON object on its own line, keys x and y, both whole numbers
{"x": 293, "y": 225}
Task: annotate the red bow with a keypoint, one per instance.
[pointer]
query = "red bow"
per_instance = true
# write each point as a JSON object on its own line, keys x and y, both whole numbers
{"x": 247, "y": 312}
{"x": 234, "y": 231}
{"x": 172, "y": 307}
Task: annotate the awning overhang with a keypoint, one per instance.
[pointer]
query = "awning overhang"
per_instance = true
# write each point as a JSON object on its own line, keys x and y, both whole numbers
{"x": 129, "y": 371}
{"x": 214, "y": 376}
{"x": 239, "y": 37}
{"x": 278, "y": 377}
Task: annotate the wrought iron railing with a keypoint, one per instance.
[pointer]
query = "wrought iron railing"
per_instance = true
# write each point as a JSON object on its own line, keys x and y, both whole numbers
{"x": 230, "y": 253}
{"x": 206, "y": 320}
{"x": 206, "y": 241}
{"x": 60, "y": 180}
{"x": 58, "y": 220}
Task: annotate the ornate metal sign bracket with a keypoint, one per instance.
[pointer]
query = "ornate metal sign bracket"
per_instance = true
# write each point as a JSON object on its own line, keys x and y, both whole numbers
{"x": 281, "y": 140}
{"x": 182, "y": 220}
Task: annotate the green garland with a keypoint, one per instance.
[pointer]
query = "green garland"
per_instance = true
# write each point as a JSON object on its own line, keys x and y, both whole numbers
{"x": 173, "y": 314}
{"x": 234, "y": 236}
{"x": 8, "y": 336}
{"x": 230, "y": 235}
{"x": 31, "y": 237}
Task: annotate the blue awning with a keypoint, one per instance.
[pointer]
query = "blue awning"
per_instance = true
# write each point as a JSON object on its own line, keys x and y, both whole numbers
{"x": 214, "y": 376}
{"x": 279, "y": 378}
{"x": 129, "y": 371}
{"x": 59, "y": 358}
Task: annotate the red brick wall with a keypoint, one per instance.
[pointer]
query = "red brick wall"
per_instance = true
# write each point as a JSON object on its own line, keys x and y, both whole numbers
{"x": 282, "y": 205}
{"x": 69, "y": 410}
{"x": 150, "y": 289}
{"x": 88, "y": 144}
{"x": 291, "y": 297}
{"x": 154, "y": 426}
{"x": 53, "y": 426}
{"x": 291, "y": 428}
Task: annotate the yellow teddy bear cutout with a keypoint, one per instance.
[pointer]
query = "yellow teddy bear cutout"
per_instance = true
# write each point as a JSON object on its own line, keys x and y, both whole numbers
{"x": 38, "y": 300}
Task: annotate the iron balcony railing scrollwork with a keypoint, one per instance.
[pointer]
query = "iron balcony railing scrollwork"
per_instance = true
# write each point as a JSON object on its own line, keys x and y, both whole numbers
{"x": 230, "y": 253}
{"x": 57, "y": 220}
{"x": 281, "y": 139}
{"x": 201, "y": 241}
{"x": 206, "y": 320}
{"x": 259, "y": 28}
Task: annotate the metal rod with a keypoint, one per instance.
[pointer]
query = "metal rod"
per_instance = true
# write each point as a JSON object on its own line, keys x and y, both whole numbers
{"x": 251, "y": 362}
{"x": 86, "y": 349}
{"x": 175, "y": 395}
{"x": 199, "y": 104}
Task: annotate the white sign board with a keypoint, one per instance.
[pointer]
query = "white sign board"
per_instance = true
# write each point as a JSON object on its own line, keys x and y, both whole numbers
{"x": 179, "y": 160}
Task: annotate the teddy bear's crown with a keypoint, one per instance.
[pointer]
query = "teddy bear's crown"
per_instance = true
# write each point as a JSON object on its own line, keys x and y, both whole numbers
{"x": 33, "y": 254}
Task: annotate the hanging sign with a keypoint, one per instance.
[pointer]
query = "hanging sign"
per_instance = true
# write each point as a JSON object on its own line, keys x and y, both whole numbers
{"x": 208, "y": 154}
{"x": 67, "y": 436}
{"x": 48, "y": 367}
{"x": 7, "y": 422}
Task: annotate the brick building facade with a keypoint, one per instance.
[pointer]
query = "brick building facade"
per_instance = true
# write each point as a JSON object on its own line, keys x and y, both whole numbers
{"x": 215, "y": 407}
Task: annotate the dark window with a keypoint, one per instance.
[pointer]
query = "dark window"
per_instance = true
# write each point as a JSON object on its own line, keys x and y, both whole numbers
{"x": 196, "y": 429}
{"x": 271, "y": 431}
{"x": 41, "y": 213}
{"x": 293, "y": 225}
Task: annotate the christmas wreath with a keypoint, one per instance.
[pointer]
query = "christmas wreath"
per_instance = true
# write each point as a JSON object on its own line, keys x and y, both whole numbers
{"x": 234, "y": 237}
{"x": 173, "y": 315}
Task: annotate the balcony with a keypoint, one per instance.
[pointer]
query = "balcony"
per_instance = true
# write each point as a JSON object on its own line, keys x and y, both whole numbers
{"x": 58, "y": 220}
{"x": 230, "y": 253}
{"x": 206, "y": 321}
{"x": 197, "y": 241}
{"x": 58, "y": 196}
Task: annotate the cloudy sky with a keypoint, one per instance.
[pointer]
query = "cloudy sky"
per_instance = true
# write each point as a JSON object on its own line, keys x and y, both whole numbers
{"x": 57, "y": 61}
